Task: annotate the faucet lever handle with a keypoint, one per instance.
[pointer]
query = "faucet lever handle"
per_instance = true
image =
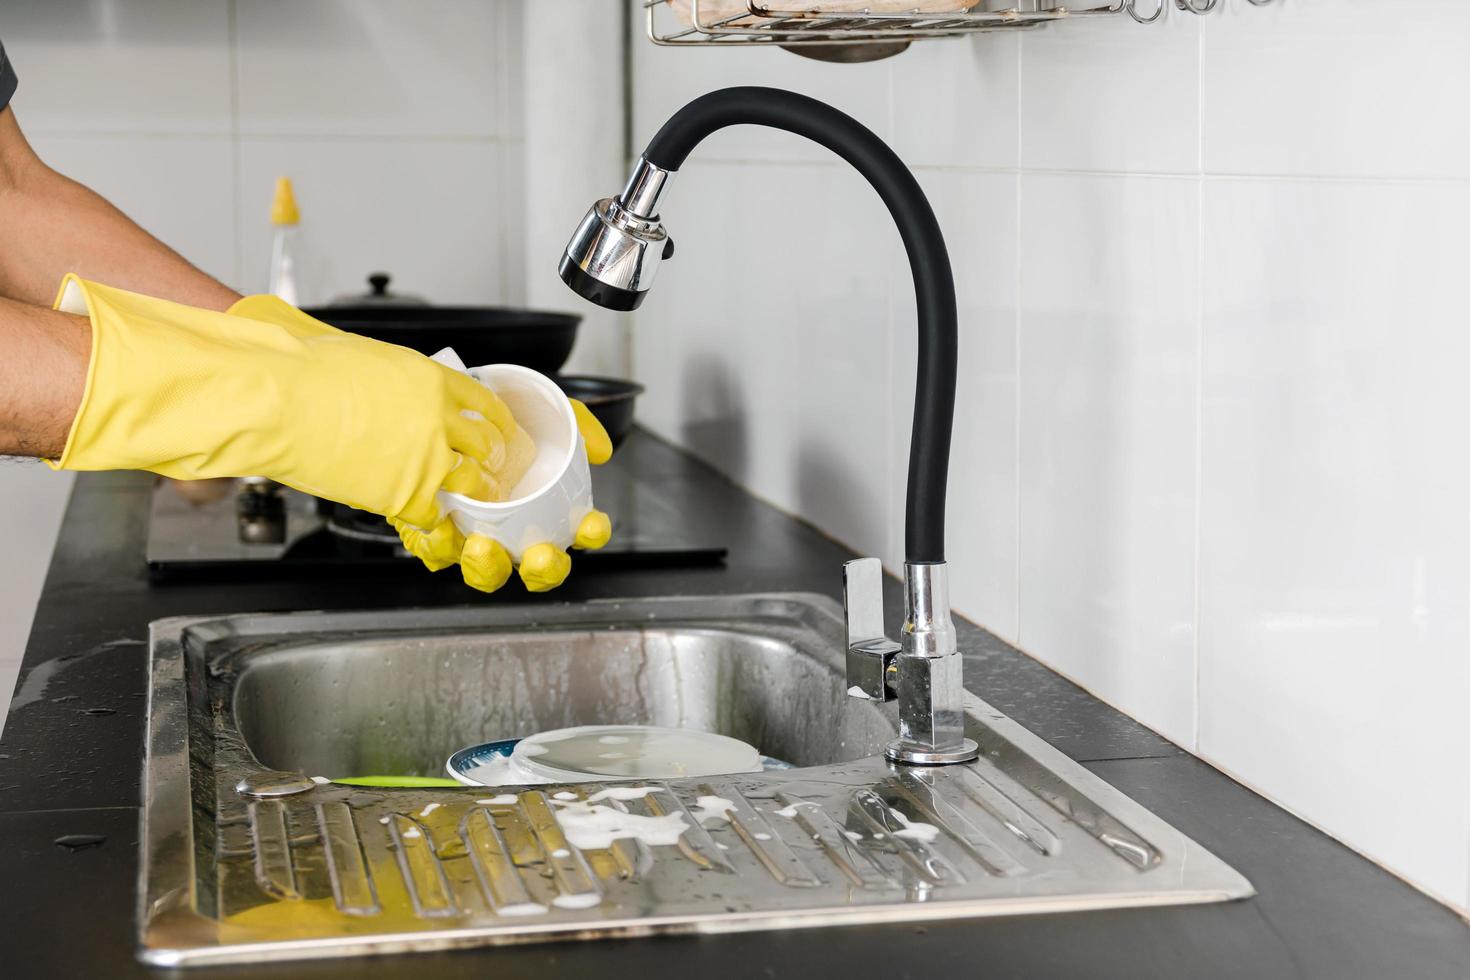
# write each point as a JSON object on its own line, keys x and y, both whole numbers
{"x": 869, "y": 650}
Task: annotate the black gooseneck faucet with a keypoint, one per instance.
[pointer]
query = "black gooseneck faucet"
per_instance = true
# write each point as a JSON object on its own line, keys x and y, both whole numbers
{"x": 612, "y": 259}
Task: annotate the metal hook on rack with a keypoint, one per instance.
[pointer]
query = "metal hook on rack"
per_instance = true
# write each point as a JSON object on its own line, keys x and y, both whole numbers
{"x": 1197, "y": 6}
{"x": 1131, "y": 7}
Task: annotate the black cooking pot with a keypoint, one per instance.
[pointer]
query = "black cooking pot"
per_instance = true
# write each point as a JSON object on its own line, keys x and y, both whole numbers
{"x": 479, "y": 334}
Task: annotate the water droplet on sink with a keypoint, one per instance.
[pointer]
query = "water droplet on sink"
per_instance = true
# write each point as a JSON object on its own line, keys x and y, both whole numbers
{"x": 79, "y": 842}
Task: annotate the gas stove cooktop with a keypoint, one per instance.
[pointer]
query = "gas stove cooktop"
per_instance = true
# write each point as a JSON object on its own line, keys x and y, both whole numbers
{"x": 257, "y": 527}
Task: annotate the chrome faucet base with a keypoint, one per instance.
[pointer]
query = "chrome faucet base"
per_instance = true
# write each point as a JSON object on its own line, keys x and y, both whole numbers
{"x": 924, "y": 672}
{"x": 911, "y": 755}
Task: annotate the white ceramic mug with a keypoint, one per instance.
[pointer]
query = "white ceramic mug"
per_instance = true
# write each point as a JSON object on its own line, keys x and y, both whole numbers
{"x": 549, "y": 502}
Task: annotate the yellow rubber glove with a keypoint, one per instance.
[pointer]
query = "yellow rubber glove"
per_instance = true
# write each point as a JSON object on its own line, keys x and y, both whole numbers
{"x": 191, "y": 394}
{"x": 483, "y": 561}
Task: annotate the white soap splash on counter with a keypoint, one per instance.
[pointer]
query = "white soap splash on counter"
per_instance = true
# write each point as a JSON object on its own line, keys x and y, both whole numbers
{"x": 523, "y": 908}
{"x": 564, "y": 796}
{"x": 857, "y": 692}
{"x": 791, "y": 812}
{"x": 429, "y": 809}
{"x": 621, "y": 793}
{"x": 708, "y": 808}
{"x": 915, "y": 829}
{"x": 504, "y": 799}
{"x": 591, "y": 827}
{"x": 581, "y": 900}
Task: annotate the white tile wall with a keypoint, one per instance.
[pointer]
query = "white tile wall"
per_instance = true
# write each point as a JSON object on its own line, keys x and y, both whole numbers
{"x": 373, "y": 68}
{"x": 1335, "y": 546}
{"x": 1108, "y": 361}
{"x": 1107, "y": 95}
{"x": 1205, "y": 456}
{"x": 1318, "y": 88}
{"x": 144, "y": 67}
{"x": 757, "y": 385}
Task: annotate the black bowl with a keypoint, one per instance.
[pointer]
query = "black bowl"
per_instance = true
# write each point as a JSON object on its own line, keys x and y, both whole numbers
{"x": 609, "y": 399}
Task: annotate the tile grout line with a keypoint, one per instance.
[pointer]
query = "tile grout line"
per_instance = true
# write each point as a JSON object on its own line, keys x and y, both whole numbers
{"x": 1016, "y": 344}
{"x": 237, "y": 189}
{"x": 890, "y": 436}
{"x": 1196, "y": 174}
{"x": 1199, "y": 374}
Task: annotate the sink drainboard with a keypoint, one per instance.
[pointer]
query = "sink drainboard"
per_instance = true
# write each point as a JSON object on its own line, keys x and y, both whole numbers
{"x": 845, "y": 838}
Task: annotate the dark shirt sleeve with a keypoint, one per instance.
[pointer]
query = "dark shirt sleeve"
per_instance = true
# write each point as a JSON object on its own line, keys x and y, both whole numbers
{"x": 7, "y": 79}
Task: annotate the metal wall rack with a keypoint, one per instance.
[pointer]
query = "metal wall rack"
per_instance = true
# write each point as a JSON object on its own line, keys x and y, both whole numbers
{"x": 784, "y": 23}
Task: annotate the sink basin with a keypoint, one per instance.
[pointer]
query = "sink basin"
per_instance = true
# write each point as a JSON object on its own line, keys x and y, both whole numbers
{"x": 245, "y": 858}
{"x": 392, "y": 705}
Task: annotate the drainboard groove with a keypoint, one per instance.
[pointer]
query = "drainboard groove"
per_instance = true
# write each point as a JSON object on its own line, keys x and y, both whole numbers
{"x": 500, "y": 880}
{"x": 921, "y": 792}
{"x": 695, "y": 843}
{"x": 855, "y": 862}
{"x": 352, "y": 886}
{"x": 576, "y": 885}
{"x": 423, "y": 873}
{"x": 763, "y": 839}
{"x": 907, "y": 840}
{"x": 1079, "y": 809}
{"x": 631, "y": 858}
{"x": 274, "y": 871}
{"x": 978, "y": 781}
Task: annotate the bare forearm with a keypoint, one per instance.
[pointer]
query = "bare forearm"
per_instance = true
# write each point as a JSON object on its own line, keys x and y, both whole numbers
{"x": 43, "y": 372}
{"x": 55, "y": 225}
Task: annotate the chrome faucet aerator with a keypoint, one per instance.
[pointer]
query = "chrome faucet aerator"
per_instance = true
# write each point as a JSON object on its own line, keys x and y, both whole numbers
{"x": 612, "y": 260}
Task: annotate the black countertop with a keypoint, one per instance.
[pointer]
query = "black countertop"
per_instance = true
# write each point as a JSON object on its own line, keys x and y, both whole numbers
{"x": 70, "y": 761}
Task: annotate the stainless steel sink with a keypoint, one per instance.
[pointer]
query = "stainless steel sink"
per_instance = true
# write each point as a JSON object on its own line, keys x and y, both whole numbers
{"x": 295, "y": 868}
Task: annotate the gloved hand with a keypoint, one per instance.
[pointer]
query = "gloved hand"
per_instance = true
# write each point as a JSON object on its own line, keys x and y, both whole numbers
{"x": 483, "y": 561}
{"x": 190, "y": 394}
